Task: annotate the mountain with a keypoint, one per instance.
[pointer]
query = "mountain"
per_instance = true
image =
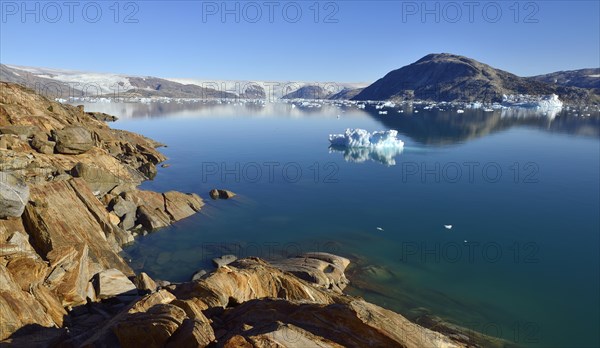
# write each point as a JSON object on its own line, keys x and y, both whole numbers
{"x": 449, "y": 77}
{"x": 70, "y": 83}
{"x": 583, "y": 78}
{"x": 346, "y": 94}
{"x": 309, "y": 92}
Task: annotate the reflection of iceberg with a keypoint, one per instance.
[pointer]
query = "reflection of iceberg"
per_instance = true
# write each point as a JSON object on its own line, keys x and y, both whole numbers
{"x": 359, "y": 145}
{"x": 383, "y": 155}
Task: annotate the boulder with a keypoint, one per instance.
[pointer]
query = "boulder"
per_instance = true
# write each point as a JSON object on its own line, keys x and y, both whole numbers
{"x": 221, "y": 194}
{"x": 113, "y": 282}
{"x": 121, "y": 207}
{"x": 143, "y": 282}
{"x": 152, "y": 218}
{"x": 191, "y": 334}
{"x": 73, "y": 140}
{"x": 100, "y": 180}
{"x": 128, "y": 221}
{"x": 14, "y": 195}
{"x": 41, "y": 144}
{"x": 223, "y": 260}
{"x": 151, "y": 329}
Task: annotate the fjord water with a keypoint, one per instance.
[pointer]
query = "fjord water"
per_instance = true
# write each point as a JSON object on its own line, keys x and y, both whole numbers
{"x": 520, "y": 191}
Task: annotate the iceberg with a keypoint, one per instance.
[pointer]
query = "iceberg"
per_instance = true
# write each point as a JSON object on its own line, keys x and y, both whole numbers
{"x": 358, "y": 145}
{"x": 361, "y": 138}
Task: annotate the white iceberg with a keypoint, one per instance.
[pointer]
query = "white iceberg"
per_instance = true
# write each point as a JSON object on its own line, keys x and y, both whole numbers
{"x": 360, "y": 138}
{"x": 358, "y": 145}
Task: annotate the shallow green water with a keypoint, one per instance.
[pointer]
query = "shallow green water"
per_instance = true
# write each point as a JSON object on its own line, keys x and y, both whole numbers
{"x": 521, "y": 261}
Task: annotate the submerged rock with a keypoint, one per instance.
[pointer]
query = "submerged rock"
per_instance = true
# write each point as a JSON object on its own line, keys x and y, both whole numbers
{"x": 14, "y": 194}
{"x": 223, "y": 260}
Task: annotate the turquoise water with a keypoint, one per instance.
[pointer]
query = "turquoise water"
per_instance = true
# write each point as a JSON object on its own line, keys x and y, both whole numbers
{"x": 521, "y": 261}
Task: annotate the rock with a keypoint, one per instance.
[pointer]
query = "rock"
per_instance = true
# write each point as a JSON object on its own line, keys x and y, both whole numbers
{"x": 73, "y": 140}
{"x": 223, "y": 260}
{"x": 128, "y": 221}
{"x": 14, "y": 194}
{"x": 121, "y": 206}
{"x": 163, "y": 283}
{"x": 98, "y": 179}
{"x": 100, "y": 116}
{"x": 221, "y": 194}
{"x": 143, "y": 282}
{"x": 70, "y": 274}
{"x": 21, "y": 240}
{"x": 114, "y": 219}
{"x": 180, "y": 205}
{"x": 23, "y": 131}
{"x": 149, "y": 170}
{"x": 27, "y": 271}
{"x": 18, "y": 308}
{"x": 192, "y": 333}
{"x": 113, "y": 282}
{"x": 152, "y": 219}
{"x": 323, "y": 269}
{"x": 150, "y": 329}
{"x": 41, "y": 144}
{"x": 199, "y": 274}
{"x": 86, "y": 223}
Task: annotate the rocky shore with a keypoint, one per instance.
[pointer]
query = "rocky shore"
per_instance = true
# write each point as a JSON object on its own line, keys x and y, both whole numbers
{"x": 69, "y": 201}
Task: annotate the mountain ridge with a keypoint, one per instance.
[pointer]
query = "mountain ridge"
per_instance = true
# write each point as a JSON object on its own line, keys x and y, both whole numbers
{"x": 450, "y": 77}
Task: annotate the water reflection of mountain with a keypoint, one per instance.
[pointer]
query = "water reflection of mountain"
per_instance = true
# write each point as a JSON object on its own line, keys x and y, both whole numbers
{"x": 210, "y": 108}
{"x": 433, "y": 127}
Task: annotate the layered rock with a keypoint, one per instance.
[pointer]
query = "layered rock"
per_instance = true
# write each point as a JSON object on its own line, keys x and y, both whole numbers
{"x": 59, "y": 237}
{"x": 255, "y": 304}
{"x": 14, "y": 195}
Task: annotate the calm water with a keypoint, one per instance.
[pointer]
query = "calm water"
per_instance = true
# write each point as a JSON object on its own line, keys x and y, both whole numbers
{"x": 521, "y": 191}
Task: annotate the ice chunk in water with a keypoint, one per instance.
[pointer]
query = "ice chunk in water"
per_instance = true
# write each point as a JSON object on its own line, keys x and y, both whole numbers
{"x": 360, "y": 138}
{"x": 358, "y": 145}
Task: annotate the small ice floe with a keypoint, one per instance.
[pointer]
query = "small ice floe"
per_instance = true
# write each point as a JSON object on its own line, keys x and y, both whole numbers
{"x": 338, "y": 116}
{"x": 383, "y": 112}
{"x": 466, "y": 241}
{"x": 379, "y": 228}
{"x": 448, "y": 227}
{"x": 460, "y": 111}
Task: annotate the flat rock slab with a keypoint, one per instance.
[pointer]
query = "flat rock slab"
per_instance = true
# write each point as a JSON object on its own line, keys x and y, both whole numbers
{"x": 112, "y": 282}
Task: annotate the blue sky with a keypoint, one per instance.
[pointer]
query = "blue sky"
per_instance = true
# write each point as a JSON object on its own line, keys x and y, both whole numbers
{"x": 344, "y": 41}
